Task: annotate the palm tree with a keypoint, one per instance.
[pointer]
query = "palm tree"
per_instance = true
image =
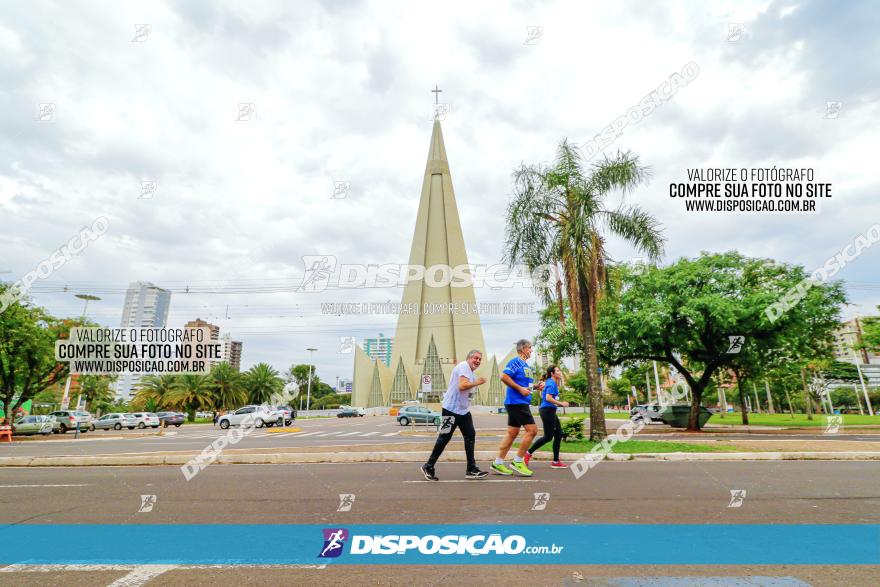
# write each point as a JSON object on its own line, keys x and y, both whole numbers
{"x": 262, "y": 382}
{"x": 227, "y": 385}
{"x": 194, "y": 392}
{"x": 558, "y": 217}
{"x": 156, "y": 389}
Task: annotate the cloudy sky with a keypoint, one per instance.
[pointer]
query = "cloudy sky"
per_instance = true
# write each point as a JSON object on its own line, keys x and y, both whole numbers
{"x": 342, "y": 93}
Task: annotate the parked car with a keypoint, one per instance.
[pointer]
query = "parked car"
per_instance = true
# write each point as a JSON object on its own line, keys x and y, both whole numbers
{"x": 649, "y": 411}
{"x": 144, "y": 419}
{"x": 349, "y": 412}
{"x": 116, "y": 421}
{"x": 262, "y": 416}
{"x": 171, "y": 418}
{"x": 417, "y": 415}
{"x": 33, "y": 425}
{"x": 71, "y": 420}
{"x": 288, "y": 412}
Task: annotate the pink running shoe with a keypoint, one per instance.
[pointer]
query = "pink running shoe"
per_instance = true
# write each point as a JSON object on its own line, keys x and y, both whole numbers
{"x": 527, "y": 458}
{"x": 558, "y": 465}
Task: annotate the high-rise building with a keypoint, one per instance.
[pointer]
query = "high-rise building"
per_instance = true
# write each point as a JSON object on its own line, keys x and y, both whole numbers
{"x": 199, "y": 323}
{"x": 847, "y": 336}
{"x": 379, "y": 348}
{"x": 145, "y": 306}
{"x": 231, "y": 351}
{"x": 427, "y": 345}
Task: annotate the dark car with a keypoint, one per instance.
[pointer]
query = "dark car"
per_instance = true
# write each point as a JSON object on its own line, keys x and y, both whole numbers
{"x": 349, "y": 413}
{"x": 171, "y": 419}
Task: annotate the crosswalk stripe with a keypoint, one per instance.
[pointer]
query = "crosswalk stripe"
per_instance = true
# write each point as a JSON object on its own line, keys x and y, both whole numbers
{"x": 390, "y": 434}
{"x": 307, "y": 434}
{"x": 351, "y": 433}
{"x": 369, "y": 433}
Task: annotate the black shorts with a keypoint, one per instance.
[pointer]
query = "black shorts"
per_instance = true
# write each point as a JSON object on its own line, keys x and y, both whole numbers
{"x": 519, "y": 415}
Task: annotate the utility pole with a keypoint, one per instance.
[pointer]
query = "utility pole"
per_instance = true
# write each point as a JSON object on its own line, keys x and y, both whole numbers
{"x": 757, "y": 402}
{"x": 311, "y": 364}
{"x": 770, "y": 409}
{"x": 807, "y": 400}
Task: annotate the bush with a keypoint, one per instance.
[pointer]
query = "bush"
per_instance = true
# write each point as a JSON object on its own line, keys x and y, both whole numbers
{"x": 573, "y": 428}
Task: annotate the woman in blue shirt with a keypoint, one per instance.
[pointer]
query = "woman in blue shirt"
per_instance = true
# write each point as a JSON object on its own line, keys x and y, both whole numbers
{"x": 547, "y": 409}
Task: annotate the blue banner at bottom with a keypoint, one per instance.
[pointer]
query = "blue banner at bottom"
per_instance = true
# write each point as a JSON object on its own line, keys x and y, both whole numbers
{"x": 415, "y": 544}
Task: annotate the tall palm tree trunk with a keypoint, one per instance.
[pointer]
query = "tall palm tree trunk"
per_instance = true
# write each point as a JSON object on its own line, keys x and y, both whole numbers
{"x": 597, "y": 405}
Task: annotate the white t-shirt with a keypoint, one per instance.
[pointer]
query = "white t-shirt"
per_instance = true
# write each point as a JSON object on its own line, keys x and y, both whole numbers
{"x": 454, "y": 399}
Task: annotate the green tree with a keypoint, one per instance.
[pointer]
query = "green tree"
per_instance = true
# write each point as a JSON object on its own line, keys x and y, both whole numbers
{"x": 156, "y": 391}
{"x": 227, "y": 386}
{"x": 96, "y": 390}
{"x": 262, "y": 382}
{"x": 299, "y": 374}
{"x": 685, "y": 314}
{"x": 193, "y": 392}
{"x": 559, "y": 218}
{"x": 27, "y": 351}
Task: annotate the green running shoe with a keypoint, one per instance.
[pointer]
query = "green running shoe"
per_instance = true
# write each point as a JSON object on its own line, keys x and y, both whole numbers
{"x": 501, "y": 469}
{"x": 521, "y": 469}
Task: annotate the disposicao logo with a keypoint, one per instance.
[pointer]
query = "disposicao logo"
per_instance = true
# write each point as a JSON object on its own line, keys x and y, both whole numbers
{"x": 334, "y": 541}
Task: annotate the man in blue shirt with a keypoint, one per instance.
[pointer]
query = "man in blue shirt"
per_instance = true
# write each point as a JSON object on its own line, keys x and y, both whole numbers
{"x": 518, "y": 377}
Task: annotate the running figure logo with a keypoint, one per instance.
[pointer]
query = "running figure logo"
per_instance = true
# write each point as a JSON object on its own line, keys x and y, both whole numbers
{"x": 541, "y": 500}
{"x": 334, "y": 541}
{"x": 147, "y": 503}
{"x": 346, "y": 500}
{"x": 737, "y": 496}
{"x": 446, "y": 426}
{"x": 318, "y": 269}
{"x": 833, "y": 424}
{"x": 736, "y": 344}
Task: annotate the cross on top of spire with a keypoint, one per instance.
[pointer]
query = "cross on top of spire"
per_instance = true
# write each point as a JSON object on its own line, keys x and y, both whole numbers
{"x": 436, "y": 91}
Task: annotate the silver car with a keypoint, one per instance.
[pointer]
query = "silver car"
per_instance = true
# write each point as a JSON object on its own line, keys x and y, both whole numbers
{"x": 144, "y": 419}
{"x": 71, "y": 420}
{"x": 34, "y": 425}
{"x": 115, "y": 421}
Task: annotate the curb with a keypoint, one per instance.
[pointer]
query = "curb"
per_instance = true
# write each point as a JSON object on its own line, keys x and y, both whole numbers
{"x": 412, "y": 457}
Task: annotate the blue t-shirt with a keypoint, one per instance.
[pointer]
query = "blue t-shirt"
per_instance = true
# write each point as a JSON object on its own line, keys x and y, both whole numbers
{"x": 551, "y": 389}
{"x": 522, "y": 374}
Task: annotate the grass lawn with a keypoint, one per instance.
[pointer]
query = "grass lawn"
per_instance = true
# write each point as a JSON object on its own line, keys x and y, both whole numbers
{"x": 641, "y": 446}
{"x": 735, "y": 418}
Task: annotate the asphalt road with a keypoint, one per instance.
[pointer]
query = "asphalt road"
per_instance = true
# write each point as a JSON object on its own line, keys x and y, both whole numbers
{"x": 629, "y": 492}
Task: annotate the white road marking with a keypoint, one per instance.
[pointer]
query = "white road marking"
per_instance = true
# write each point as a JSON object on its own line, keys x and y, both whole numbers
{"x": 141, "y": 575}
{"x": 390, "y": 434}
{"x": 308, "y": 433}
{"x": 350, "y": 433}
{"x": 58, "y": 485}
{"x": 369, "y": 433}
{"x": 481, "y": 480}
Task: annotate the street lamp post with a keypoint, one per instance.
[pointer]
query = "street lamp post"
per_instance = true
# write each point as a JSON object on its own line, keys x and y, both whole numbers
{"x": 862, "y": 381}
{"x": 309, "y": 392}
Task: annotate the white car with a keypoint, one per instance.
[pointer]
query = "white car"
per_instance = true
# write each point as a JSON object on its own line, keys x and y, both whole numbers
{"x": 262, "y": 416}
{"x": 144, "y": 419}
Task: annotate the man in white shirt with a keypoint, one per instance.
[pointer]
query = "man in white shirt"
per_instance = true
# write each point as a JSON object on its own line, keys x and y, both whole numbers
{"x": 457, "y": 414}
